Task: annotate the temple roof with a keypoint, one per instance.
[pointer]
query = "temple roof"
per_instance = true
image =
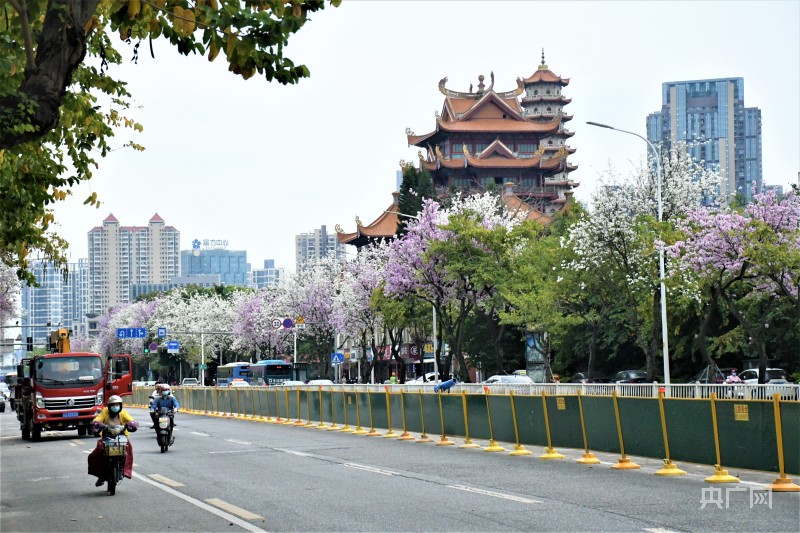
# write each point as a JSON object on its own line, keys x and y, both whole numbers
{"x": 517, "y": 205}
{"x": 499, "y": 157}
{"x": 544, "y": 74}
{"x": 385, "y": 226}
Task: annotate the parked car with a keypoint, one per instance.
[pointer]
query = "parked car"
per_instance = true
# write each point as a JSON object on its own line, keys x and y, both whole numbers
{"x": 586, "y": 377}
{"x": 320, "y": 382}
{"x": 431, "y": 376}
{"x": 6, "y": 393}
{"x": 292, "y": 383}
{"x": 238, "y": 383}
{"x": 190, "y": 382}
{"x": 712, "y": 374}
{"x": 630, "y": 376}
{"x": 508, "y": 380}
{"x": 775, "y": 376}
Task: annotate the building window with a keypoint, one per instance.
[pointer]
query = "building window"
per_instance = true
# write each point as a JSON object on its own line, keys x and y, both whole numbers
{"x": 526, "y": 148}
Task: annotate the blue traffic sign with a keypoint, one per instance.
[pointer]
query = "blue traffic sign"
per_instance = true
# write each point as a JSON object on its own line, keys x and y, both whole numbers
{"x": 122, "y": 333}
{"x": 337, "y": 358}
{"x": 131, "y": 333}
{"x": 288, "y": 323}
{"x": 162, "y": 332}
{"x": 173, "y": 346}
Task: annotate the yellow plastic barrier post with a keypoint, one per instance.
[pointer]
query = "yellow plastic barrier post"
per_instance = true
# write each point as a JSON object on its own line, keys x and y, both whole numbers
{"x": 443, "y": 441}
{"x": 346, "y": 428}
{"x": 205, "y": 400}
{"x": 266, "y": 401}
{"x": 321, "y": 424}
{"x": 782, "y": 483}
{"x": 308, "y": 423}
{"x": 669, "y": 468}
{"x": 371, "y": 432}
{"x": 493, "y": 446}
{"x": 549, "y": 452}
{"x": 624, "y": 462}
{"x": 333, "y": 426}
{"x": 253, "y": 402}
{"x": 216, "y": 412}
{"x": 261, "y": 407}
{"x": 588, "y": 457}
{"x": 720, "y": 474}
{"x": 278, "y": 419}
{"x": 298, "y": 422}
{"x": 237, "y": 414}
{"x": 405, "y": 435}
{"x": 391, "y": 434}
{"x": 359, "y": 430}
{"x": 519, "y": 449}
{"x": 423, "y": 436}
{"x": 467, "y": 441}
{"x": 288, "y": 420}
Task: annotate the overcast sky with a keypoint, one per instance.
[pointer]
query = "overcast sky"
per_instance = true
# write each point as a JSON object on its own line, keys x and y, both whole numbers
{"x": 257, "y": 163}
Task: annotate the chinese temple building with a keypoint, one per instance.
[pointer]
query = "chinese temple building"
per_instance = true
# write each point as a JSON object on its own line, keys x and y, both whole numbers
{"x": 486, "y": 139}
{"x": 382, "y": 228}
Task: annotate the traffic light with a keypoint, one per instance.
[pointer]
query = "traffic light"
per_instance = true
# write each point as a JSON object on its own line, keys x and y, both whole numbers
{"x": 145, "y": 347}
{"x": 30, "y": 344}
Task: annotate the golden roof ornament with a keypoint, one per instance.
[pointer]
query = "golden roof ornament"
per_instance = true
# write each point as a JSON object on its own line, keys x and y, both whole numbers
{"x": 338, "y": 229}
{"x": 543, "y": 66}
{"x": 439, "y": 152}
{"x": 539, "y": 152}
{"x": 562, "y": 152}
{"x": 466, "y": 150}
{"x": 358, "y": 221}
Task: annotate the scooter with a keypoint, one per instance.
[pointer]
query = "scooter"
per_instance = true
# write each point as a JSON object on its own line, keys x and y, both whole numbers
{"x": 164, "y": 429}
{"x": 115, "y": 450}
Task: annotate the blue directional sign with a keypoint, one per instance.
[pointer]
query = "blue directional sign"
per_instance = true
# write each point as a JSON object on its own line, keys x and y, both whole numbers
{"x": 337, "y": 358}
{"x": 131, "y": 333}
{"x": 173, "y": 346}
{"x": 162, "y": 332}
{"x": 141, "y": 333}
{"x": 122, "y": 333}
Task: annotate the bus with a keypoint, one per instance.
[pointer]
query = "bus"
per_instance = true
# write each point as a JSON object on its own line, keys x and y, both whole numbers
{"x": 270, "y": 372}
{"x": 229, "y": 372}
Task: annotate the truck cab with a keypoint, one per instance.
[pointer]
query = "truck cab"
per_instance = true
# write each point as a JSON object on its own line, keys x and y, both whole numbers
{"x": 65, "y": 391}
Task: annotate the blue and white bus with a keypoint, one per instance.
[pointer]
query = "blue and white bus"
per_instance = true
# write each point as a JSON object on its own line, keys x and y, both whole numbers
{"x": 229, "y": 372}
{"x": 270, "y": 372}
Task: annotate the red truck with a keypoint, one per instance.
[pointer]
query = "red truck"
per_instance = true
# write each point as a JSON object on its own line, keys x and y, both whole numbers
{"x": 61, "y": 391}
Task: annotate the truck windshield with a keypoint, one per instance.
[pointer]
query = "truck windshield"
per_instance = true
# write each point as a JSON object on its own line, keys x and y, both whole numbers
{"x": 68, "y": 370}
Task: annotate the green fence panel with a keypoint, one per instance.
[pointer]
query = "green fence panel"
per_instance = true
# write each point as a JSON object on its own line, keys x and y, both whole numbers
{"x": 430, "y": 409}
{"x": 453, "y": 413}
{"x": 477, "y": 416}
{"x": 410, "y": 404}
{"x": 565, "y": 421}
{"x": 747, "y": 434}
{"x": 790, "y": 428}
{"x": 690, "y": 430}
{"x": 530, "y": 420}
{"x": 641, "y": 427}
{"x": 601, "y": 423}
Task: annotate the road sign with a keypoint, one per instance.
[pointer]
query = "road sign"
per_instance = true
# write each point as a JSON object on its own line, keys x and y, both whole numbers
{"x": 337, "y": 358}
{"x": 276, "y": 323}
{"x": 288, "y": 323}
{"x": 131, "y": 333}
{"x": 162, "y": 332}
{"x": 300, "y": 322}
{"x": 173, "y": 346}
{"x": 141, "y": 333}
{"x": 202, "y": 366}
{"x": 122, "y": 333}
{"x": 153, "y": 346}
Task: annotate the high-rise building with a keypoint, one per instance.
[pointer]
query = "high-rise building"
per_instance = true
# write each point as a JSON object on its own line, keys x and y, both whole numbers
{"x": 231, "y": 265}
{"x": 269, "y": 276}
{"x": 57, "y": 301}
{"x": 121, "y": 256}
{"x": 312, "y": 247}
{"x": 711, "y": 118}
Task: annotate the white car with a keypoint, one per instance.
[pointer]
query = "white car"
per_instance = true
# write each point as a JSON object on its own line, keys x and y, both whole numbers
{"x": 292, "y": 383}
{"x": 190, "y": 382}
{"x": 776, "y": 377}
{"x": 320, "y": 382}
{"x": 4, "y": 390}
{"x": 238, "y": 383}
{"x": 508, "y": 380}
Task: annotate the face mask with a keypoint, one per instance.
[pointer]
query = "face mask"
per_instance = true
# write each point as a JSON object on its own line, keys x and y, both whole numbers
{"x": 165, "y": 393}
{"x": 115, "y": 408}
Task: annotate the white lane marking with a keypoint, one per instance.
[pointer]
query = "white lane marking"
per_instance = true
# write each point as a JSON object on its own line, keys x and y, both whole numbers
{"x": 72, "y": 444}
{"x": 86, "y": 451}
{"x": 202, "y": 505}
{"x": 658, "y": 530}
{"x": 371, "y": 469}
{"x": 166, "y": 480}
{"x": 493, "y": 494}
{"x": 14, "y": 437}
{"x": 200, "y": 434}
{"x": 247, "y": 515}
{"x": 292, "y": 452}
{"x": 247, "y": 450}
{"x": 238, "y": 441}
{"x": 76, "y": 442}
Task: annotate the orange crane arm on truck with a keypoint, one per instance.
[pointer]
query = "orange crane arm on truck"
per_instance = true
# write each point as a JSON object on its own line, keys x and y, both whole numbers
{"x": 59, "y": 341}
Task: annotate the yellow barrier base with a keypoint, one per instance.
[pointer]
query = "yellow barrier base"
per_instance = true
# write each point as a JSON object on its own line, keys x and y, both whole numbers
{"x": 469, "y": 444}
{"x": 494, "y": 447}
{"x": 308, "y": 424}
{"x": 444, "y": 441}
{"x": 321, "y": 425}
{"x": 334, "y": 427}
{"x": 520, "y": 450}
{"x": 588, "y": 458}
{"x": 625, "y": 463}
{"x": 288, "y": 421}
{"x": 424, "y": 438}
{"x": 372, "y": 433}
{"x": 360, "y": 431}
{"x": 406, "y": 436}
{"x": 299, "y": 423}
{"x": 391, "y": 435}
{"x": 670, "y": 469}
{"x": 347, "y": 429}
{"x": 550, "y": 453}
{"x": 721, "y": 476}
{"x": 784, "y": 484}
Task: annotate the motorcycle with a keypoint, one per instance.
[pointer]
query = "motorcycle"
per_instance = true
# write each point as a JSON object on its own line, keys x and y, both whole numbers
{"x": 115, "y": 450}
{"x": 164, "y": 429}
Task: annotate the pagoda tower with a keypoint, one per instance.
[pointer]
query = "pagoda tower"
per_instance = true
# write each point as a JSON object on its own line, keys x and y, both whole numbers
{"x": 486, "y": 139}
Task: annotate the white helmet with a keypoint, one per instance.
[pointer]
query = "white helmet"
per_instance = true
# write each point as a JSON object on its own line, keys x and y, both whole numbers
{"x": 114, "y": 399}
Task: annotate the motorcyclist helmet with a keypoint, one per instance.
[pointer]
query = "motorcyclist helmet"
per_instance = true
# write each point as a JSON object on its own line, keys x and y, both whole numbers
{"x": 115, "y": 404}
{"x": 165, "y": 390}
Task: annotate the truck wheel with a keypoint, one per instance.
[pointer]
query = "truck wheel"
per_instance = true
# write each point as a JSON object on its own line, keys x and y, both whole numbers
{"x": 36, "y": 432}
{"x": 26, "y": 429}
{"x": 82, "y": 431}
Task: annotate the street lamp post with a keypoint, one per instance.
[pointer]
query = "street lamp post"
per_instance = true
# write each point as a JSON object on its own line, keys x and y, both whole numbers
{"x": 664, "y": 340}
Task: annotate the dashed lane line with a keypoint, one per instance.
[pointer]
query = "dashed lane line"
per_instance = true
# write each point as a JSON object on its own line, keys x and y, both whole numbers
{"x": 166, "y": 480}
{"x": 493, "y": 494}
{"x": 247, "y": 515}
{"x": 239, "y": 442}
{"x": 199, "y": 434}
{"x": 202, "y": 505}
{"x": 371, "y": 469}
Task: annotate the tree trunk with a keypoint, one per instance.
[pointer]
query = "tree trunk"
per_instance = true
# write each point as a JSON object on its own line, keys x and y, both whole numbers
{"x": 700, "y": 343}
{"x": 61, "y": 47}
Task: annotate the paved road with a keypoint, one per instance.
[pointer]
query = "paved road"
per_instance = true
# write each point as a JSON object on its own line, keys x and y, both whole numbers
{"x": 230, "y": 475}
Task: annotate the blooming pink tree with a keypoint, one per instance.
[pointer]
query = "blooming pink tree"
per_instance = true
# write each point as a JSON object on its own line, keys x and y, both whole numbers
{"x": 252, "y": 314}
{"x": 752, "y": 258}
